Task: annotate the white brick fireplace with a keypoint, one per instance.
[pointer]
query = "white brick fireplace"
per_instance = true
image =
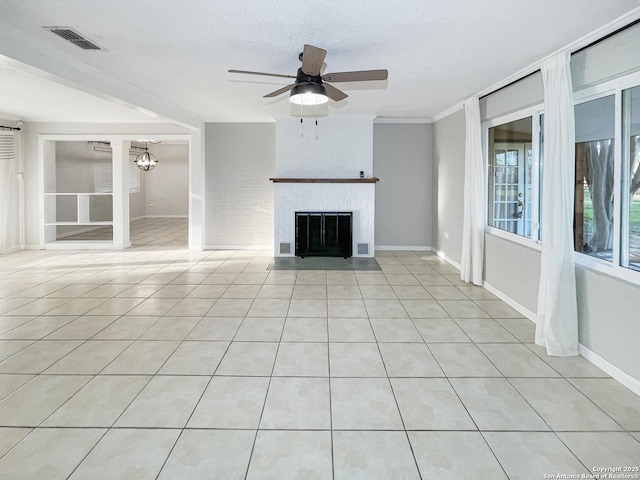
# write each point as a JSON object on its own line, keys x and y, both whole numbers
{"x": 337, "y": 148}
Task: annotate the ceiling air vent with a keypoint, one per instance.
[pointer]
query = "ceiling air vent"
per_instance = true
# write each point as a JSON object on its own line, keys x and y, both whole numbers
{"x": 70, "y": 35}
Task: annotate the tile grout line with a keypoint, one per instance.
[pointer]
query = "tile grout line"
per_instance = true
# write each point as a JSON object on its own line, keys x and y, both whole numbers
{"x": 404, "y": 426}
{"x": 333, "y": 460}
{"x": 157, "y": 374}
{"x": 195, "y": 406}
{"x": 266, "y": 394}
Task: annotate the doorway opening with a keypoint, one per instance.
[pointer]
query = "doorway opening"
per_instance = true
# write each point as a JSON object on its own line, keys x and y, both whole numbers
{"x": 159, "y": 208}
{"x": 95, "y": 196}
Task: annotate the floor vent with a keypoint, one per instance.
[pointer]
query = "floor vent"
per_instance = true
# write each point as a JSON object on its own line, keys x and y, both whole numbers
{"x": 285, "y": 248}
{"x": 363, "y": 249}
{"x": 70, "y": 35}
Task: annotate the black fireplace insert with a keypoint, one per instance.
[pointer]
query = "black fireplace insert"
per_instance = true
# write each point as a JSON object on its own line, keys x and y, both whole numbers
{"x": 324, "y": 234}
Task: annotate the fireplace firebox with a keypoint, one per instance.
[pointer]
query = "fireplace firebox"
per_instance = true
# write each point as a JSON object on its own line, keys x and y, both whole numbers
{"x": 324, "y": 234}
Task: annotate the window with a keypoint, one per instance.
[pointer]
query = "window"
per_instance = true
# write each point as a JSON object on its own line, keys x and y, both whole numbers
{"x": 103, "y": 175}
{"x": 513, "y": 177}
{"x": 607, "y": 188}
{"x": 594, "y": 178}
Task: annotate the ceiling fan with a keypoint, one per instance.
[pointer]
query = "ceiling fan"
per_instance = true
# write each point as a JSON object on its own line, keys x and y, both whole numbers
{"x": 310, "y": 87}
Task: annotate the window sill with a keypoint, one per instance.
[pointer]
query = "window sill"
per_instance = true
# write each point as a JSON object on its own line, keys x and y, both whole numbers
{"x": 607, "y": 268}
{"x": 512, "y": 237}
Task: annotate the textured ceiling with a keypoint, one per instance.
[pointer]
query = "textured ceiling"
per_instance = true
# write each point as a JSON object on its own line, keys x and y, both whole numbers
{"x": 438, "y": 52}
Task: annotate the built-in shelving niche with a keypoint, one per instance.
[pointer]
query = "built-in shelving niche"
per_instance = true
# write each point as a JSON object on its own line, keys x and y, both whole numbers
{"x": 78, "y": 196}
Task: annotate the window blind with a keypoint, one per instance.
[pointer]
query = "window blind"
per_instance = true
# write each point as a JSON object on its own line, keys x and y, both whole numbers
{"x": 520, "y": 94}
{"x": 612, "y": 57}
{"x": 103, "y": 177}
{"x": 7, "y": 146}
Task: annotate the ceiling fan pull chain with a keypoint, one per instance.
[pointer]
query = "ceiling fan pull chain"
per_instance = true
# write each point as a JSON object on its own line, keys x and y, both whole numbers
{"x": 301, "y": 126}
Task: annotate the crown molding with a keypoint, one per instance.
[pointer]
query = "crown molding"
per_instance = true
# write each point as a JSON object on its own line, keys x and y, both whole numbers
{"x": 449, "y": 111}
{"x": 402, "y": 120}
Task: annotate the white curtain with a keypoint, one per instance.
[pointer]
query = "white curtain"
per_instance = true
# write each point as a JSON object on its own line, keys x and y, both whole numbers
{"x": 557, "y": 322}
{"x": 474, "y": 213}
{"x": 9, "y": 196}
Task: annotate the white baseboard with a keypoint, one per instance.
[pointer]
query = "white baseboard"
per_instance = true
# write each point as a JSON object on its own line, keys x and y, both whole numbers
{"x": 444, "y": 256}
{"x": 142, "y": 217}
{"x": 84, "y": 245}
{"x": 12, "y": 250}
{"x": 418, "y": 248}
{"x": 511, "y": 302}
{"x": 238, "y": 247}
{"x": 625, "y": 379}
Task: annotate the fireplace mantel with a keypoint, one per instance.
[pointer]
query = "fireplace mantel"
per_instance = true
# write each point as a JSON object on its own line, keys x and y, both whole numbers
{"x": 325, "y": 180}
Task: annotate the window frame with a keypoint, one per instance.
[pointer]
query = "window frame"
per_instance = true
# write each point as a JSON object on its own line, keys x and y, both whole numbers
{"x": 612, "y": 87}
{"x": 534, "y": 112}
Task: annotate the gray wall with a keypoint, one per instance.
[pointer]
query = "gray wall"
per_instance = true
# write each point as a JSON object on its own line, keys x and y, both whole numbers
{"x": 513, "y": 269}
{"x": 448, "y": 174}
{"x": 609, "y": 319}
{"x": 136, "y": 200}
{"x": 402, "y": 159}
{"x": 239, "y": 160}
{"x": 166, "y": 189}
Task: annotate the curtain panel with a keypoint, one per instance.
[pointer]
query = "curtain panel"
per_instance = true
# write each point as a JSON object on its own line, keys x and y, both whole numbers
{"x": 472, "y": 258}
{"x": 557, "y": 322}
{"x": 9, "y": 195}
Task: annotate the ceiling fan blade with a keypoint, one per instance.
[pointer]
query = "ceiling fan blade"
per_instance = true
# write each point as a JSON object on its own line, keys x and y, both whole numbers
{"x": 312, "y": 59}
{"x": 280, "y": 91}
{"x": 359, "y": 76}
{"x": 333, "y": 93}
{"x": 262, "y": 73}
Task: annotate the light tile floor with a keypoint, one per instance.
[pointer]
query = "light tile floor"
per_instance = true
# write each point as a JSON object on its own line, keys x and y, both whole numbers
{"x": 158, "y": 362}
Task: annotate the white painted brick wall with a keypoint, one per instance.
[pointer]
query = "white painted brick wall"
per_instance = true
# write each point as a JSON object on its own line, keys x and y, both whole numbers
{"x": 239, "y": 162}
{"x": 344, "y": 147}
{"x": 358, "y": 198}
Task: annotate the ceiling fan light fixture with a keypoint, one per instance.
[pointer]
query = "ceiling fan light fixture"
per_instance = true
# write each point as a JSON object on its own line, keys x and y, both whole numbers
{"x": 146, "y": 161}
{"x": 308, "y": 94}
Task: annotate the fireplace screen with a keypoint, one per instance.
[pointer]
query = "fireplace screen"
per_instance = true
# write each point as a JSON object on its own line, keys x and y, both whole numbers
{"x": 324, "y": 234}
